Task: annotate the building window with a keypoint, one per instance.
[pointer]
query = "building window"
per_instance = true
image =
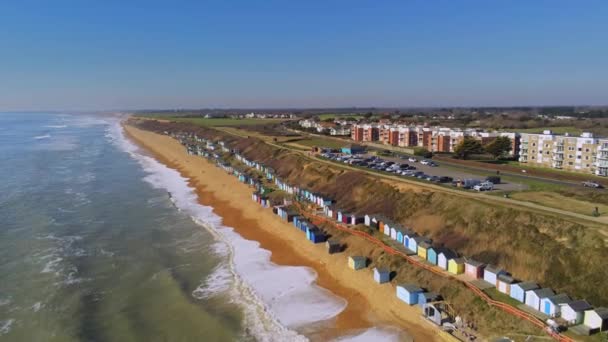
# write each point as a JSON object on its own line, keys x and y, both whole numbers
{"x": 586, "y": 150}
{"x": 586, "y": 157}
{"x": 533, "y": 158}
{"x": 533, "y": 144}
{"x": 569, "y": 163}
{"x": 578, "y": 157}
{"x": 570, "y": 156}
{"x": 570, "y": 148}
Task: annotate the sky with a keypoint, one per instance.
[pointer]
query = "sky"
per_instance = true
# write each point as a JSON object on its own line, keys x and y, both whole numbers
{"x": 124, "y": 55}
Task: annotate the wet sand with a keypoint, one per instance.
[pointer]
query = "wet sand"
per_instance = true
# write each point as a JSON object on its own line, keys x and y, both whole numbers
{"x": 369, "y": 304}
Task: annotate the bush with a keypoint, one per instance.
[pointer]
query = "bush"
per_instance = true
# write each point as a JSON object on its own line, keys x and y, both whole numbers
{"x": 422, "y": 152}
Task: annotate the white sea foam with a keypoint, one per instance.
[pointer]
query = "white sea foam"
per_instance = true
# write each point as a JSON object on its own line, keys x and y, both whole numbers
{"x": 40, "y": 137}
{"x": 5, "y": 301}
{"x": 374, "y": 335}
{"x": 218, "y": 282}
{"x": 5, "y": 326}
{"x": 276, "y": 299}
{"x": 37, "y": 306}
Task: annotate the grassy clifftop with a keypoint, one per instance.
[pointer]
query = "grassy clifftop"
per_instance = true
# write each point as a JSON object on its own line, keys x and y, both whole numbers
{"x": 568, "y": 257}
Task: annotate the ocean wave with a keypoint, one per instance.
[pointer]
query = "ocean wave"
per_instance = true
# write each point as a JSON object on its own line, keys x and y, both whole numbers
{"x": 216, "y": 283}
{"x": 40, "y": 137}
{"x": 37, "y": 306}
{"x": 55, "y": 126}
{"x": 5, "y": 326}
{"x": 375, "y": 334}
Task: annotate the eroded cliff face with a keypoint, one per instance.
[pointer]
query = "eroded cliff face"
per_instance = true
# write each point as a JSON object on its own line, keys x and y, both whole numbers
{"x": 568, "y": 257}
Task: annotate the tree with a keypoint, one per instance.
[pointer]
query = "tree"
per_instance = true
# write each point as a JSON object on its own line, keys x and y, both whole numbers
{"x": 498, "y": 147}
{"x": 467, "y": 147}
{"x": 422, "y": 152}
{"x": 368, "y": 115}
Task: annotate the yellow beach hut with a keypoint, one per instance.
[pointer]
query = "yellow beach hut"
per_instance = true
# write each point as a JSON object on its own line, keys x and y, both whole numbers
{"x": 456, "y": 266}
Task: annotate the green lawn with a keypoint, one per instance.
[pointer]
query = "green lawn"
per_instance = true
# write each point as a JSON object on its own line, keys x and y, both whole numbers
{"x": 320, "y": 142}
{"x": 344, "y": 116}
{"x": 222, "y": 122}
{"x": 556, "y": 130}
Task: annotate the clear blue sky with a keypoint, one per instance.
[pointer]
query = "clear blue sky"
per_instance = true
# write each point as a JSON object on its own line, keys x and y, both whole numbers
{"x": 191, "y": 54}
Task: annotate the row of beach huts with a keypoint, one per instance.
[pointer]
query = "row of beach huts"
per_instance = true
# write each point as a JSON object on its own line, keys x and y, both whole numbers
{"x": 541, "y": 300}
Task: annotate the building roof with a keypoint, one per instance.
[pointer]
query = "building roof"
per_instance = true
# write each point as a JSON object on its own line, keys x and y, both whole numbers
{"x": 333, "y": 242}
{"x": 579, "y": 305}
{"x": 602, "y": 312}
{"x": 381, "y": 270}
{"x": 430, "y": 295}
{"x": 542, "y": 293}
{"x": 420, "y": 239}
{"x": 559, "y": 299}
{"x": 506, "y": 278}
{"x": 358, "y": 257}
{"x": 447, "y": 253}
{"x": 424, "y": 244}
{"x": 474, "y": 263}
{"x": 493, "y": 269}
{"x": 527, "y": 285}
{"x": 458, "y": 260}
{"x": 410, "y": 288}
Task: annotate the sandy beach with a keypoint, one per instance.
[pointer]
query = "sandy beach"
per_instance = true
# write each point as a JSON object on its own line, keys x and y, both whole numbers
{"x": 369, "y": 304}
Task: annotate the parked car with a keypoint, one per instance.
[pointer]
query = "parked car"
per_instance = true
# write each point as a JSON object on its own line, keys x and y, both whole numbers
{"x": 469, "y": 183}
{"x": 412, "y": 159}
{"x": 432, "y": 164}
{"x": 445, "y": 179}
{"x": 592, "y": 184}
{"x": 421, "y": 175}
{"x": 425, "y": 162}
{"x": 485, "y": 186}
{"x": 493, "y": 179}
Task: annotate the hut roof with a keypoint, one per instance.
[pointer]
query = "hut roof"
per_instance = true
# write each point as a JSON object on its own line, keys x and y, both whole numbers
{"x": 474, "y": 263}
{"x": 545, "y": 292}
{"x": 506, "y": 278}
{"x": 447, "y": 253}
{"x": 411, "y": 288}
{"x": 458, "y": 260}
{"x": 420, "y": 239}
{"x": 424, "y": 244}
{"x": 580, "y": 305}
{"x": 430, "y": 295}
{"x": 602, "y": 312}
{"x": 332, "y": 242}
{"x": 381, "y": 270}
{"x": 528, "y": 285}
{"x": 358, "y": 258}
{"x": 559, "y": 299}
{"x": 494, "y": 269}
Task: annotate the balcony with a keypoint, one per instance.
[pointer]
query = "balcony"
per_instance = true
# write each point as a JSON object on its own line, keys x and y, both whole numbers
{"x": 558, "y": 157}
{"x": 602, "y": 155}
{"x": 603, "y": 147}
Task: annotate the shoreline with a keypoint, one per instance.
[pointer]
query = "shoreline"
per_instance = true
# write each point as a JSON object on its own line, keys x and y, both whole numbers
{"x": 369, "y": 305}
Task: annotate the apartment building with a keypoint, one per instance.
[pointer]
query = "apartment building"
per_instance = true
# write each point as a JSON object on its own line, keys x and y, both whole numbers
{"x": 578, "y": 154}
{"x": 601, "y": 158}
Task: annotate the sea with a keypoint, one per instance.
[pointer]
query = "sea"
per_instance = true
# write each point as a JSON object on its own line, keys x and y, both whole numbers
{"x": 101, "y": 242}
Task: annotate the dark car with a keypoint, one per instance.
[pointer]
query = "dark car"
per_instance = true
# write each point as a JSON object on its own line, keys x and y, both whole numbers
{"x": 445, "y": 179}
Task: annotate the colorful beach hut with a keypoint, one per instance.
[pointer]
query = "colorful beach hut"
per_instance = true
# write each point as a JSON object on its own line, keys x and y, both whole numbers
{"x": 333, "y": 246}
{"x": 357, "y": 262}
{"x": 444, "y": 256}
{"x": 574, "y": 312}
{"x": 491, "y": 272}
{"x": 551, "y": 306}
{"x": 408, "y": 293}
{"x": 518, "y": 291}
{"x": 408, "y": 243}
{"x": 423, "y": 247}
{"x": 596, "y": 320}
{"x": 382, "y": 275}
{"x": 534, "y": 297}
{"x": 427, "y": 297}
{"x": 456, "y": 266}
{"x": 473, "y": 269}
{"x": 504, "y": 282}
{"x": 431, "y": 255}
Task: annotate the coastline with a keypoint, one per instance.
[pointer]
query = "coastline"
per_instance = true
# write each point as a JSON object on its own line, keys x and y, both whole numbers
{"x": 369, "y": 304}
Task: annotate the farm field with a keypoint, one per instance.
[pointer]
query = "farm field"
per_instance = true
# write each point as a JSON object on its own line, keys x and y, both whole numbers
{"x": 224, "y": 122}
{"x": 556, "y": 130}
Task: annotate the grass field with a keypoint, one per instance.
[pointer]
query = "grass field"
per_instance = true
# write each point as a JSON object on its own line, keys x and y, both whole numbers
{"x": 556, "y": 130}
{"x": 554, "y": 200}
{"x": 331, "y": 116}
{"x": 222, "y": 122}
{"x": 319, "y": 142}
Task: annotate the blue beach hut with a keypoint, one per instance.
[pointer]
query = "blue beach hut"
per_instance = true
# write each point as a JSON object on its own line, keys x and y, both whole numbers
{"x": 382, "y": 275}
{"x": 409, "y": 293}
{"x": 431, "y": 255}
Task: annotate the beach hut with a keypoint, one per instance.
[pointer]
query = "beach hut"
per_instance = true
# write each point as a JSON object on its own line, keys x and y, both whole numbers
{"x": 382, "y": 275}
{"x": 345, "y": 218}
{"x": 333, "y": 246}
{"x": 456, "y": 266}
{"x": 400, "y": 235}
{"x": 413, "y": 244}
{"x": 357, "y": 262}
{"x": 408, "y": 241}
{"x": 355, "y": 219}
{"x": 431, "y": 255}
{"x": 551, "y": 306}
{"x": 534, "y": 297}
{"x": 491, "y": 272}
{"x": 374, "y": 223}
{"x": 596, "y": 320}
{"x": 518, "y": 291}
{"x": 339, "y": 215}
{"x": 408, "y": 293}
{"x": 423, "y": 247}
{"x": 444, "y": 256}
{"x": 473, "y": 269}
{"x": 387, "y": 228}
{"x": 368, "y": 220}
{"x": 394, "y": 232}
{"x": 504, "y": 282}
{"x": 427, "y": 297}
{"x": 317, "y": 236}
{"x": 574, "y": 312}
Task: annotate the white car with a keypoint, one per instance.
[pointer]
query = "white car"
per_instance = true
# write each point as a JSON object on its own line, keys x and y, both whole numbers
{"x": 412, "y": 159}
{"x": 485, "y": 186}
{"x": 425, "y": 162}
